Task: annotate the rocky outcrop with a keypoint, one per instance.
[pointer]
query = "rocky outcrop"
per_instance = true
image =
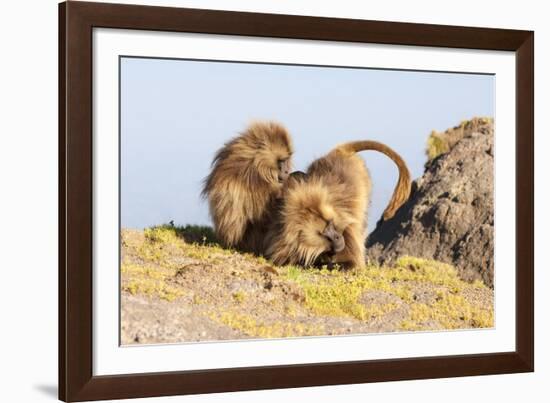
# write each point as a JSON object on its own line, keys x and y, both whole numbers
{"x": 449, "y": 216}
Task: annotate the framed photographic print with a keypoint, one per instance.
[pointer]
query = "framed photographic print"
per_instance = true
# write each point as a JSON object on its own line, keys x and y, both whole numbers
{"x": 252, "y": 201}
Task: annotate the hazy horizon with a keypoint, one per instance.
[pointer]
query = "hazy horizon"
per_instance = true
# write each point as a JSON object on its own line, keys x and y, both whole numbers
{"x": 175, "y": 114}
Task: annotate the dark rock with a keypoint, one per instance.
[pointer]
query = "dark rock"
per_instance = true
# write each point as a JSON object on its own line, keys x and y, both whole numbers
{"x": 449, "y": 216}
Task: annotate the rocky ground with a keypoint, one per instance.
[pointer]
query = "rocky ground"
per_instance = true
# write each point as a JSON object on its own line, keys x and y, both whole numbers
{"x": 176, "y": 286}
{"x": 449, "y": 216}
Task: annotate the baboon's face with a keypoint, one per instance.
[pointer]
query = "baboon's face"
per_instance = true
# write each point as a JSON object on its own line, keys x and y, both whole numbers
{"x": 335, "y": 238}
{"x": 273, "y": 165}
{"x": 321, "y": 234}
{"x": 312, "y": 224}
{"x": 283, "y": 169}
{"x": 271, "y": 155}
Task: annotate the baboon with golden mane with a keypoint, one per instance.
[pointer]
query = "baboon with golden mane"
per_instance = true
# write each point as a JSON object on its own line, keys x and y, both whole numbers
{"x": 246, "y": 179}
{"x": 322, "y": 216}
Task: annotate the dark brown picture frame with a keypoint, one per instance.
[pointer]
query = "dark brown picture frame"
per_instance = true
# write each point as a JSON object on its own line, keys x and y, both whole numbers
{"x": 76, "y": 22}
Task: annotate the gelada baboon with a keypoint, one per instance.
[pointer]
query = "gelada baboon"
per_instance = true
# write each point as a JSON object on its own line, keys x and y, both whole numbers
{"x": 246, "y": 179}
{"x": 322, "y": 217}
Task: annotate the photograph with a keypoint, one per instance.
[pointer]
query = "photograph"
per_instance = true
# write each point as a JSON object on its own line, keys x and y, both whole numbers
{"x": 263, "y": 200}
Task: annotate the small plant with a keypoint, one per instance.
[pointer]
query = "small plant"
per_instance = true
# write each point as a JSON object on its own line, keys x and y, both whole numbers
{"x": 200, "y": 234}
{"x": 239, "y": 296}
{"x": 149, "y": 281}
{"x": 437, "y": 146}
{"x": 251, "y": 326}
{"x": 441, "y": 143}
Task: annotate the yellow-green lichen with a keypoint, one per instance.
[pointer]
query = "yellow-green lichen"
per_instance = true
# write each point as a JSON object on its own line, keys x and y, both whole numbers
{"x": 150, "y": 281}
{"x": 436, "y": 146}
{"x": 441, "y": 143}
{"x": 419, "y": 294}
{"x": 338, "y": 293}
{"x": 239, "y": 296}
{"x": 253, "y": 327}
{"x": 163, "y": 243}
{"x": 448, "y": 312}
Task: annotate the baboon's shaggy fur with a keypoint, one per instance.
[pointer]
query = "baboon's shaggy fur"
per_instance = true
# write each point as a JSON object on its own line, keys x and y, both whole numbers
{"x": 246, "y": 179}
{"x": 335, "y": 192}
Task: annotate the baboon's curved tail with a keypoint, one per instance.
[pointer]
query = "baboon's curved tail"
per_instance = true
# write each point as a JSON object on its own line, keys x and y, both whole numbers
{"x": 402, "y": 189}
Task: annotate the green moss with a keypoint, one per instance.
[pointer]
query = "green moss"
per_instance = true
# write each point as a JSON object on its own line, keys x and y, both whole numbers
{"x": 200, "y": 234}
{"x": 294, "y": 273}
{"x": 150, "y": 281}
{"x": 436, "y": 146}
{"x": 450, "y": 309}
{"x": 257, "y": 259}
{"x": 343, "y": 300}
{"x": 197, "y": 234}
{"x": 408, "y": 268}
{"x": 291, "y": 310}
{"x": 239, "y": 296}
{"x": 160, "y": 234}
{"x": 449, "y": 312}
{"x": 159, "y": 245}
{"x": 441, "y": 143}
{"x": 134, "y": 270}
{"x": 163, "y": 243}
{"x": 156, "y": 257}
{"x": 338, "y": 293}
{"x": 253, "y": 327}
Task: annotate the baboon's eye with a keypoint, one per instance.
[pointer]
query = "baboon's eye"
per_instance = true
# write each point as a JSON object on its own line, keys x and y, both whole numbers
{"x": 323, "y": 230}
{"x": 283, "y": 165}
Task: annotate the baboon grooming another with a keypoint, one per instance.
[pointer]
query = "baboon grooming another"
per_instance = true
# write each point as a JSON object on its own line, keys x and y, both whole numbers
{"x": 322, "y": 217}
{"x": 246, "y": 179}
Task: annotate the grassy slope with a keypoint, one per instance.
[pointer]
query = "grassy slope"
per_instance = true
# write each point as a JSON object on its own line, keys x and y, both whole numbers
{"x": 233, "y": 295}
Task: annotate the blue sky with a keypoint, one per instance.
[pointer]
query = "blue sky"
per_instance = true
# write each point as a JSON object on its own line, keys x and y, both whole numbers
{"x": 175, "y": 114}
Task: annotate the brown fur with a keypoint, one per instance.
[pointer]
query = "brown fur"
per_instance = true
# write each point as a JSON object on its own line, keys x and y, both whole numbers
{"x": 335, "y": 190}
{"x": 245, "y": 183}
